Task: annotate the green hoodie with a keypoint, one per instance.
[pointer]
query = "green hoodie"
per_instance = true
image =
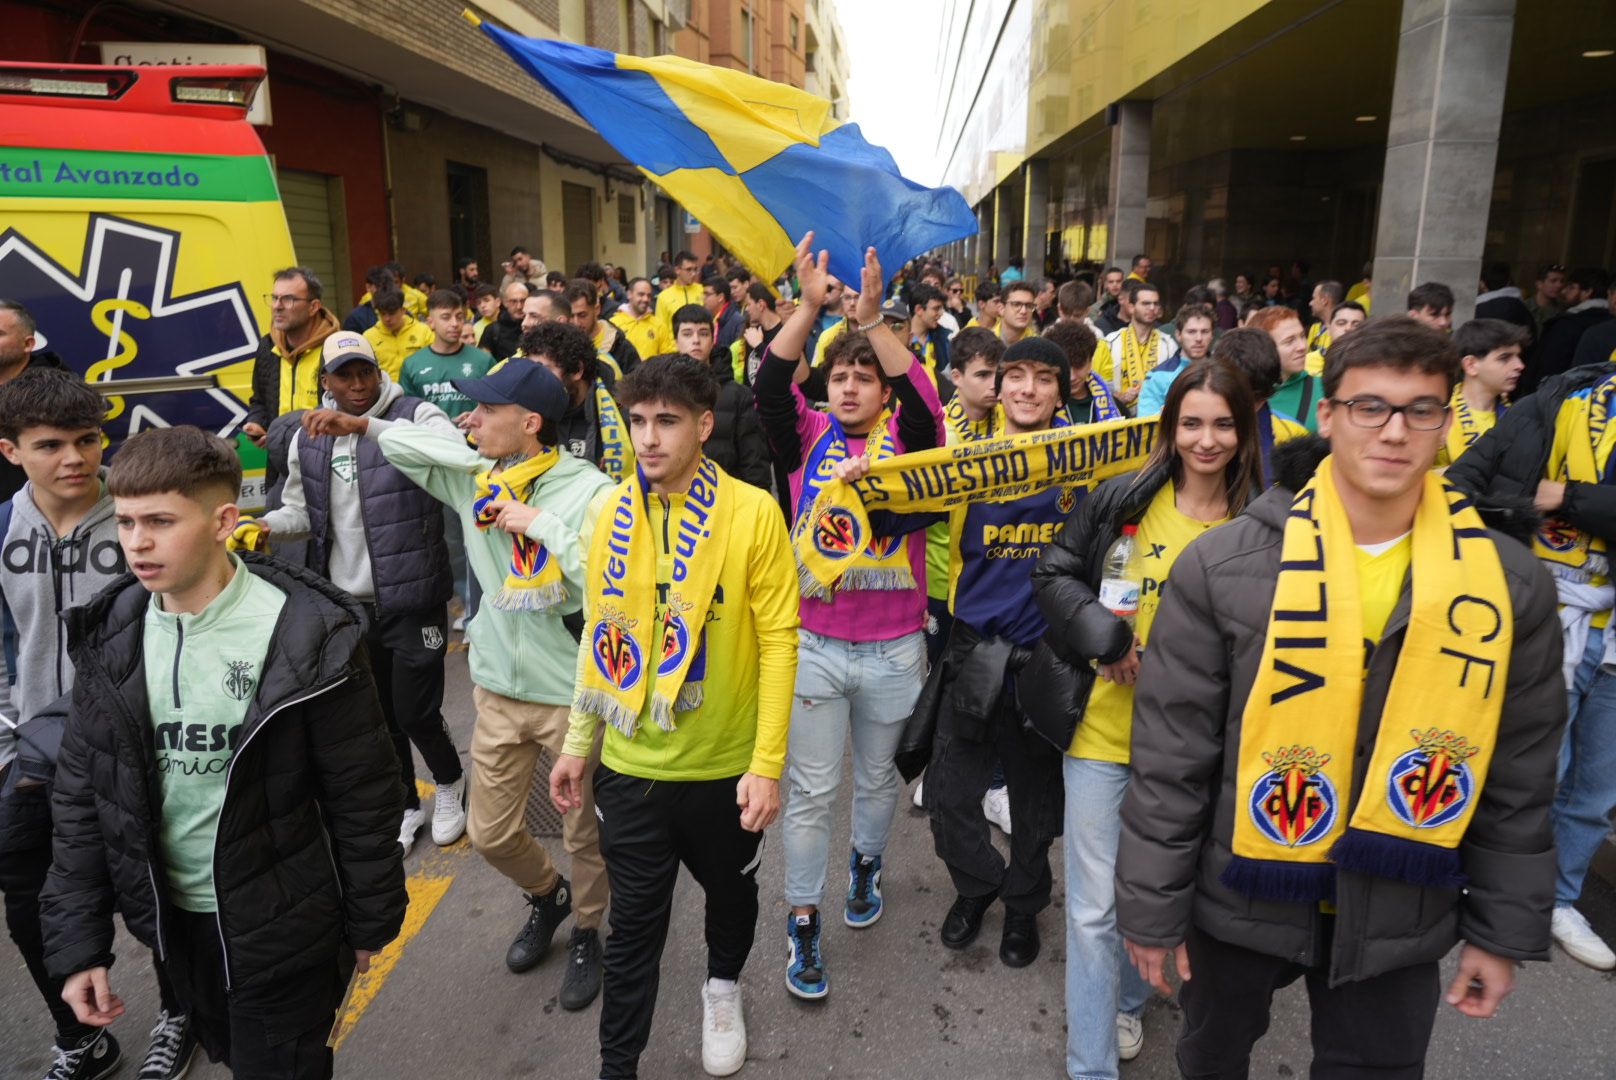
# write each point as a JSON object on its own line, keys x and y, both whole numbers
{"x": 526, "y": 655}
{"x": 1298, "y": 398}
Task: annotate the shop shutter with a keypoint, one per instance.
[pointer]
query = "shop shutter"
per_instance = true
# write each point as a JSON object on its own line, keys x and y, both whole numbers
{"x": 306, "y": 197}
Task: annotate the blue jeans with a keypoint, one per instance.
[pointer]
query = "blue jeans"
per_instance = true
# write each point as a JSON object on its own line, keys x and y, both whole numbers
{"x": 868, "y": 688}
{"x": 1587, "y": 791}
{"x": 1100, "y": 982}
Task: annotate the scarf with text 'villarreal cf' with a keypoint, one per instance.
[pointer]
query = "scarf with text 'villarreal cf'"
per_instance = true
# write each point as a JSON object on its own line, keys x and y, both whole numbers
{"x": 830, "y": 535}
{"x": 534, "y": 581}
{"x": 1300, "y": 726}
{"x": 626, "y": 626}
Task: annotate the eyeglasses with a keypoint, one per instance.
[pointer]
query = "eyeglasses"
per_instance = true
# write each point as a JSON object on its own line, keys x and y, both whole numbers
{"x": 284, "y": 301}
{"x": 1425, "y": 414}
{"x": 1019, "y": 305}
{"x": 956, "y": 288}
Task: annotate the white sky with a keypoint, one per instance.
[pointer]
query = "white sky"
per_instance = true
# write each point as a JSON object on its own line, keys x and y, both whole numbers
{"x": 890, "y": 46}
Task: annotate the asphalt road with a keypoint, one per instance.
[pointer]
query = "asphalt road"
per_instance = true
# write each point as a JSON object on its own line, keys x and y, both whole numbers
{"x": 901, "y": 1005}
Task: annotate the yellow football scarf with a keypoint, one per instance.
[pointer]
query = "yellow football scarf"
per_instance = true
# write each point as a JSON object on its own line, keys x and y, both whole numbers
{"x": 616, "y": 451}
{"x": 1437, "y": 729}
{"x": 1468, "y": 425}
{"x": 248, "y": 535}
{"x": 883, "y": 563}
{"x": 966, "y": 429}
{"x": 836, "y": 528}
{"x": 1583, "y": 440}
{"x": 1137, "y": 360}
{"x": 627, "y": 626}
{"x": 534, "y": 581}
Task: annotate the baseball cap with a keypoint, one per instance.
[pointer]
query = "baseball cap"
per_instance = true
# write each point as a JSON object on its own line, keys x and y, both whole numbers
{"x": 519, "y": 381}
{"x": 895, "y": 309}
{"x": 343, "y": 346}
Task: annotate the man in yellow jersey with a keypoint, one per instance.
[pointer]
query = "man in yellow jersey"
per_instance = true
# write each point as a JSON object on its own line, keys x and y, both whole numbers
{"x": 1327, "y": 295}
{"x": 636, "y": 319}
{"x": 397, "y": 334}
{"x": 1553, "y": 448}
{"x": 1139, "y": 347}
{"x": 1347, "y": 317}
{"x": 1307, "y": 794}
{"x": 1018, "y": 299}
{"x": 685, "y": 289}
{"x": 286, "y": 371}
{"x": 583, "y": 309}
{"x": 1490, "y": 354}
{"x": 688, "y": 660}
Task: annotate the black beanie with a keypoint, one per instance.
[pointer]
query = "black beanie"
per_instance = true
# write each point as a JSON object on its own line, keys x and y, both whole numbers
{"x": 1039, "y": 350}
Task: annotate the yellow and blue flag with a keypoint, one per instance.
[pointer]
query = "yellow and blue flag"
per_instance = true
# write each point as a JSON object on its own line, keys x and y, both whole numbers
{"x": 758, "y": 162}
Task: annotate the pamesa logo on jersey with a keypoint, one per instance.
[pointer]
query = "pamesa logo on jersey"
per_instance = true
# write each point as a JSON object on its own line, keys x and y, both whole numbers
{"x": 118, "y": 318}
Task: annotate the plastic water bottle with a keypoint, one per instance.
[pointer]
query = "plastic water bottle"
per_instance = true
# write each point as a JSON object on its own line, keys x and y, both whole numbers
{"x": 1122, "y": 579}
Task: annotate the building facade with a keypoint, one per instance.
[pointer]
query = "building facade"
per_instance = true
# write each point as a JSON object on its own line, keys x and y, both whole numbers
{"x": 399, "y": 131}
{"x": 1232, "y": 136}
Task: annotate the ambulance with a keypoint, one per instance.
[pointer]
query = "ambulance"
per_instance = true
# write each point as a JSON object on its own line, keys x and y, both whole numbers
{"x": 141, "y": 224}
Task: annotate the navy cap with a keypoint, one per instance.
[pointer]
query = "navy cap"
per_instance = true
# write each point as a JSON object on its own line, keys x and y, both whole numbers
{"x": 519, "y": 381}
{"x": 895, "y": 309}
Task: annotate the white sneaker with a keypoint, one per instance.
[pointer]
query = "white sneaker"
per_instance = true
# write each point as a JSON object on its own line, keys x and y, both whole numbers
{"x": 1130, "y": 1036}
{"x": 996, "y": 808}
{"x": 723, "y": 1030}
{"x": 413, "y": 820}
{"x": 919, "y": 786}
{"x": 459, "y": 623}
{"x": 449, "y": 812}
{"x": 1578, "y": 939}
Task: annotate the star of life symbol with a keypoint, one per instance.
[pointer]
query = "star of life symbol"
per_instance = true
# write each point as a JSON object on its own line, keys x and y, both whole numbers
{"x": 118, "y": 319}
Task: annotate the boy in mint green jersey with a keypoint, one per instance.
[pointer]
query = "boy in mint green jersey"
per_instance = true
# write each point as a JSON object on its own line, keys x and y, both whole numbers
{"x": 232, "y": 792}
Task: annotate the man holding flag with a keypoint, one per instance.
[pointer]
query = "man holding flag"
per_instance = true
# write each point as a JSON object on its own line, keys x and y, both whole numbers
{"x": 862, "y": 658}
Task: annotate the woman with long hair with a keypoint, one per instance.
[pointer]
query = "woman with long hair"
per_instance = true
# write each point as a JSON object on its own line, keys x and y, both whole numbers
{"x": 1203, "y": 471}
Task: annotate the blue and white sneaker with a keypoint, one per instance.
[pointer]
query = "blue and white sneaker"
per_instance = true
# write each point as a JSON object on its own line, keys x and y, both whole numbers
{"x": 805, "y": 969}
{"x": 863, "y": 891}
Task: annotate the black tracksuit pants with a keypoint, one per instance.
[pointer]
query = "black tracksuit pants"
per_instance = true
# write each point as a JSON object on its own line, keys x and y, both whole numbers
{"x": 647, "y": 829}
{"x": 1377, "y": 1029}
{"x": 960, "y": 772}
{"x": 407, "y": 650}
{"x": 282, "y": 1037}
{"x": 22, "y": 875}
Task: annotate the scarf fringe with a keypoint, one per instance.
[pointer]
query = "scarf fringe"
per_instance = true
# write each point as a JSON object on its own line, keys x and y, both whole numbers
{"x": 878, "y": 578}
{"x": 603, "y": 705}
{"x": 530, "y": 598}
{"x": 1365, "y": 852}
{"x": 1268, "y": 879}
{"x": 808, "y": 585}
{"x": 690, "y": 698}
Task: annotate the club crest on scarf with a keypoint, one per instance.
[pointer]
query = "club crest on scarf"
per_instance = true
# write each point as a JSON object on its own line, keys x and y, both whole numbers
{"x": 533, "y": 580}
{"x": 1431, "y": 784}
{"x": 1294, "y": 803}
{"x": 616, "y": 653}
{"x": 878, "y": 563}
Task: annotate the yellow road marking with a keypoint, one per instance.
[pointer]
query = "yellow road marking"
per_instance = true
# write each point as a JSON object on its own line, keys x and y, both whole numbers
{"x": 426, "y": 886}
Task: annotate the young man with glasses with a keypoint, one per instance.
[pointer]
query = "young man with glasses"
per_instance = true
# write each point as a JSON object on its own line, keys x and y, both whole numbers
{"x": 1018, "y": 299}
{"x": 286, "y": 371}
{"x": 1348, "y": 794}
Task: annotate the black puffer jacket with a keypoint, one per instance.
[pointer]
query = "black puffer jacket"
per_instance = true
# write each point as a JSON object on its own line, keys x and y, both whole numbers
{"x": 1179, "y": 812}
{"x": 306, "y": 862}
{"x": 737, "y": 441}
{"x": 1066, "y": 581}
{"x": 1503, "y": 467}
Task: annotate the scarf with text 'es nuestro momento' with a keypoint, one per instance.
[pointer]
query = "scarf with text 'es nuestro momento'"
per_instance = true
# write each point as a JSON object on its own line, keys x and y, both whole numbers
{"x": 626, "y": 627}
{"x": 1437, "y": 729}
{"x": 533, "y": 582}
{"x": 830, "y": 535}
{"x": 883, "y": 564}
